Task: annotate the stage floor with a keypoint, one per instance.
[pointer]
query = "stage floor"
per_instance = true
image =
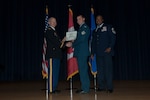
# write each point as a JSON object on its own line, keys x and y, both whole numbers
{"x": 35, "y": 90}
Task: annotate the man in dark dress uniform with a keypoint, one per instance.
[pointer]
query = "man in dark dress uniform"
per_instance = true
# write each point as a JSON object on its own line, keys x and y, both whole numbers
{"x": 53, "y": 54}
{"x": 103, "y": 41}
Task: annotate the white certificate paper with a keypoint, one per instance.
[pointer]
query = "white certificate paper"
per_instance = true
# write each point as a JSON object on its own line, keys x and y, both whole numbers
{"x": 71, "y": 35}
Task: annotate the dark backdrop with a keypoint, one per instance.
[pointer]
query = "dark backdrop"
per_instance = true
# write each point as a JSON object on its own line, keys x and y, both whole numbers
{"x": 22, "y": 26}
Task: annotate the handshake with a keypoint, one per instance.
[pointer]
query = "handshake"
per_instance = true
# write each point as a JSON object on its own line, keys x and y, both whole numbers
{"x": 68, "y": 43}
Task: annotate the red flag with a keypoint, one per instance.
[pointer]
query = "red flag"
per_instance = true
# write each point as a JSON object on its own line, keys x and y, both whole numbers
{"x": 71, "y": 61}
{"x": 70, "y": 23}
{"x": 45, "y": 62}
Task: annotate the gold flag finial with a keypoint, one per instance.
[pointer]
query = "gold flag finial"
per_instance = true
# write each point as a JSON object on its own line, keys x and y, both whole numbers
{"x": 92, "y": 10}
{"x": 46, "y": 9}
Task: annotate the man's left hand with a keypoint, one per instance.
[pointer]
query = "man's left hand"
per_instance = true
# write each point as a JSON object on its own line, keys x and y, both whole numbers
{"x": 108, "y": 50}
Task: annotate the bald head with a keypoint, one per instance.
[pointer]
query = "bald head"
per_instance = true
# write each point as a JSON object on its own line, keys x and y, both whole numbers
{"x": 52, "y": 22}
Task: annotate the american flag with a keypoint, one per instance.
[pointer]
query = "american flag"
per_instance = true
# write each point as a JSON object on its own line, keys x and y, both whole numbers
{"x": 44, "y": 61}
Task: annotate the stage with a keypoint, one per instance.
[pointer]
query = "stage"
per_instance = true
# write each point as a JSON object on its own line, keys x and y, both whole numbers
{"x": 35, "y": 90}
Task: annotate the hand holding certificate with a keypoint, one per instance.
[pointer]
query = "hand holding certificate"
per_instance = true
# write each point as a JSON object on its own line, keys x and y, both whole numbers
{"x": 71, "y": 35}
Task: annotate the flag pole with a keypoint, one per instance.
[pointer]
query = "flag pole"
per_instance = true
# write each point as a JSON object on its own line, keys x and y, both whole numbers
{"x": 46, "y": 89}
{"x": 71, "y": 60}
{"x": 71, "y": 86}
{"x": 92, "y": 28}
{"x": 95, "y": 82}
{"x": 71, "y": 94}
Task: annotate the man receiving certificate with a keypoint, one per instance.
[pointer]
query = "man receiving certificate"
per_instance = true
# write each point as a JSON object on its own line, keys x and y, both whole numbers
{"x": 81, "y": 52}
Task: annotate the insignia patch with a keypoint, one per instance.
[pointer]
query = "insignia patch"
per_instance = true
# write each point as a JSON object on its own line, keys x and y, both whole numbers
{"x": 104, "y": 29}
{"x": 83, "y": 32}
{"x": 85, "y": 26}
{"x": 113, "y": 30}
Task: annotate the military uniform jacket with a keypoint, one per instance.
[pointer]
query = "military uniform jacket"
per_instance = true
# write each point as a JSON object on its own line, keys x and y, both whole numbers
{"x": 102, "y": 38}
{"x": 53, "y": 44}
{"x": 80, "y": 45}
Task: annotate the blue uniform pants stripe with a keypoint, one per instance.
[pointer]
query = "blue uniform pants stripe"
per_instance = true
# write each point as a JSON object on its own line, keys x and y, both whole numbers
{"x": 53, "y": 73}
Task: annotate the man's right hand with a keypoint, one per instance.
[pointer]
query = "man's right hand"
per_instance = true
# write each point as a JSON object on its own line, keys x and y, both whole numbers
{"x": 69, "y": 44}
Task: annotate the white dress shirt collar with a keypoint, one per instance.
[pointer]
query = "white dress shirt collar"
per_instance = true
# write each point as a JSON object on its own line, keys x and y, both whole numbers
{"x": 52, "y": 28}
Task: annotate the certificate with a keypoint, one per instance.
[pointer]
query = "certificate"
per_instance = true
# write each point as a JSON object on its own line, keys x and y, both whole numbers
{"x": 71, "y": 35}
